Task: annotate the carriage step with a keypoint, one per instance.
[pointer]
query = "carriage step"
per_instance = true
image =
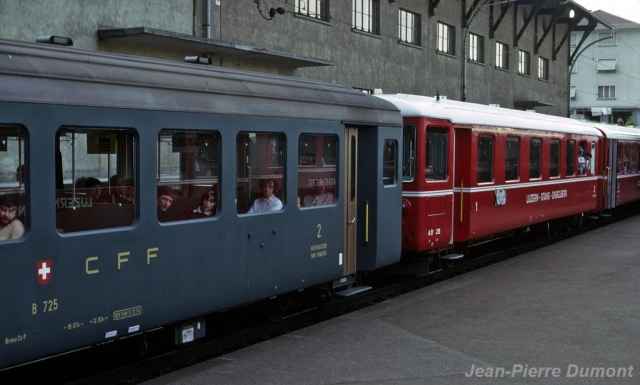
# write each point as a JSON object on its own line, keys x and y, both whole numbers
{"x": 353, "y": 291}
{"x": 452, "y": 257}
{"x": 594, "y": 217}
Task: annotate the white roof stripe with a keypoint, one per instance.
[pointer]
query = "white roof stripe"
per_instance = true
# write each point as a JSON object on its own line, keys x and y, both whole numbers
{"x": 477, "y": 114}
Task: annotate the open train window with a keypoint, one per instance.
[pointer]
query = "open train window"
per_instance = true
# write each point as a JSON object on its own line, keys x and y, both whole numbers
{"x": 390, "y": 162}
{"x": 582, "y": 157}
{"x": 409, "y": 153}
{"x": 188, "y": 174}
{"x": 13, "y": 182}
{"x": 554, "y": 158}
{"x": 634, "y": 152}
{"x": 535, "y": 158}
{"x": 626, "y": 162}
{"x": 260, "y": 183}
{"x": 512, "y": 159}
{"x": 95, "y": 178}
{"x": 570, "y": 158}
{"x": 436, "y": 167}
{"x": 485, "y": 159}
{"x": 317, "y": 183}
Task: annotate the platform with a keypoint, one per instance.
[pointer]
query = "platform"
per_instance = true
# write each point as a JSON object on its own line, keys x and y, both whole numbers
{"x": 565, "y": 314}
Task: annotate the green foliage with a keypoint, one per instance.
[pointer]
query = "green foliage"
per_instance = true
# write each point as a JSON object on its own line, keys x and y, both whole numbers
{"x": 630, "y": 122}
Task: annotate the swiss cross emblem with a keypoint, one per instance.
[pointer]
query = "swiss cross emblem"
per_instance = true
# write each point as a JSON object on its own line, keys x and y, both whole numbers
{"x": 44, "y": 271}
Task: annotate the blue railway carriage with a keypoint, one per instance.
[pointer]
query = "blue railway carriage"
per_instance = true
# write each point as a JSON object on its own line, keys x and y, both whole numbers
{"x": 88, "y": 143}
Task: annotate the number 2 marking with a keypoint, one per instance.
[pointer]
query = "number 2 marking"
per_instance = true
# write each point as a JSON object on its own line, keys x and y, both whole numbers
{"x": 319, "y": 230}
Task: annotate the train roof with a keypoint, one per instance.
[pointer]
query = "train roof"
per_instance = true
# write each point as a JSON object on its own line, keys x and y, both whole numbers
{"x": 42, "y": 73}
{"x": 619, "y": 132}
{"x": 481, "y": 115}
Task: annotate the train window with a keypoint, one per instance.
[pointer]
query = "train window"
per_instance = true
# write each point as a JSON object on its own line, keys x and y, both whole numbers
{"x": 12, "y": 182}
{"x": 485, "y": 159}
{"x": 582, "y": 158}
{"x": 633, "y": 157}
{"x": 570, "y": 158}
{"x": 188, "y": 174}
{"x": 409, "y": 154}
{"x": 316, "y": 178}
{"x": 437, "y": 151}
{"x": 626, "y": 165}
{"x": 619, "y": 158}
{"x": 512, "y": 159}
{"x": 260, "y": 184}
{"x": 95, "y": 179}
{"x": 554, "y": 158}
{"x": 535, "y": 158}
{"x": 390, "y": 162}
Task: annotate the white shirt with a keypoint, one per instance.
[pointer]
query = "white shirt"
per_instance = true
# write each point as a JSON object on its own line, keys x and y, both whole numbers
{"x": 262, "y": 205}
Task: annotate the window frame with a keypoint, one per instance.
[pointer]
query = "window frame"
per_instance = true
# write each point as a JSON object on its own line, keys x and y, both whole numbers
{"x": 524, "y": 63}
{"x": 558, "y": 156}
{"x": 607, "y": 92}
{"x": 543, "y": 69}
{"x": 512, "y": 172}
{"x": 445, "y": 38}
{"x": 533, "y": 161}
{"x": 502, "y": 56}
{"x": 321, "y": 10}
{"x": 407, "y": 28}
{"x": 365, "y": 19}
{"x": 476, "y": 48}
{"x": 490, "y": 159}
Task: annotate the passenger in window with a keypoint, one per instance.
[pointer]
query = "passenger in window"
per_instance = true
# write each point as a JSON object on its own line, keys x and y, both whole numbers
{"x": 587, "y": 158}
{"x": 20, "y": 174}
{"x": 10, "y": 225}
{"x": 122, "y": 189}
{"x": 268, "y": 202}
{"x": 582, "y": 163}
{"x": 207, "y": 209}
{"x": 94, "y": 191}
{"x": 166, "y": 195}
{"x": 320, "y": 196}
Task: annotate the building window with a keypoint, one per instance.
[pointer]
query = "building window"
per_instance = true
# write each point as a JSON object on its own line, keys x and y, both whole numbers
{"x": 535, "y": 158}
{"x": 512, "y": 159}
{"x": 502, "y": 56}
{"x": 476, "y": 48}
{"x": 606, "y": 92}
{"x": 572, "y": 92}
{"x": 446, "y": 38}
{"x": 365, "y": 15}
{"x": 611, "y": 42}
{"x": 543, "y": 68}
{"x": 574, "y": 39}
{"x": 524, "y": 65}
{"x": 606, "y": 65}
{"x": 409, "y": 27}
{"x": 318, "y": 9}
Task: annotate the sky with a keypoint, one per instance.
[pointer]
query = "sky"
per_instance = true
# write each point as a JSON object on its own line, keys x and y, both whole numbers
{"x": 627, "y": 9}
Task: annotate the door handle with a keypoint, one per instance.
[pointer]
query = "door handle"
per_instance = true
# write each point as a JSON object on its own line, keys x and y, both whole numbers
{"x": 352, "y": 221}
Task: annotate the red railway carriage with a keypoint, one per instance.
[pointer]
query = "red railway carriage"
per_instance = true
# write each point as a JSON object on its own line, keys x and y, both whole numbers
{"x": 621, "y": 175}
{"x": 489, "y": 170}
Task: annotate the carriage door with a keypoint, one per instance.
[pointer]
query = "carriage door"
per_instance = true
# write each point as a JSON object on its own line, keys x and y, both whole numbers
{"x": 350, "y": 200}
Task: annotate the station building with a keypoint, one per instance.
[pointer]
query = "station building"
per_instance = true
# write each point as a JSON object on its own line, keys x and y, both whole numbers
{"x": 511, "y": 53}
